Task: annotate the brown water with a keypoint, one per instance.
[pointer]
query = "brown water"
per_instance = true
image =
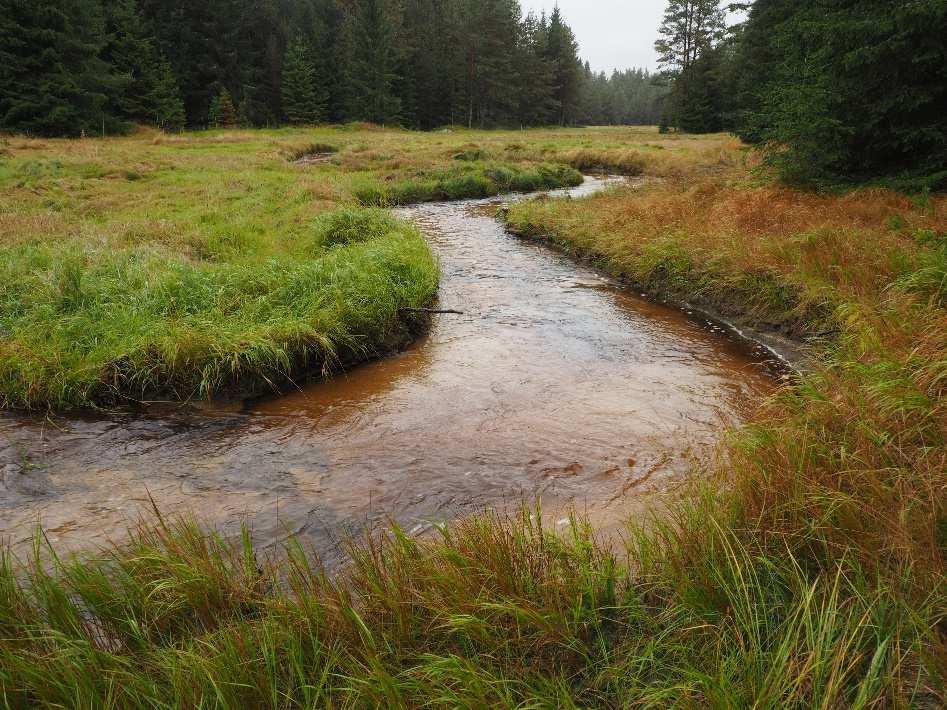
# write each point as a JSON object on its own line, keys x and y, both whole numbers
{"x": 555, "y": 383}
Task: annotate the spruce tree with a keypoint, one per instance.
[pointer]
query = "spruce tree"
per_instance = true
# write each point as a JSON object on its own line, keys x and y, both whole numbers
{"x": 850, "y": 91}
{"x": 688, "y": 28}
{"x": 133, "y": 57}
{"x": 536, "y": 72}
{"x": 299, "y": 85}
{"x": 562, "y": 52}
{"x": 52, "y": 78}
{"x": 165, "y": 99}
{"x": 697, "y": 95}
{"x": 374, "y": 63}
{"x": 222, "y": 113}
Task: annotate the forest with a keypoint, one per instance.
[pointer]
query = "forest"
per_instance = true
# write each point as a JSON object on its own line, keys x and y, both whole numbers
{"x": 841, "y": 92}
{"x": 73, "y": 67}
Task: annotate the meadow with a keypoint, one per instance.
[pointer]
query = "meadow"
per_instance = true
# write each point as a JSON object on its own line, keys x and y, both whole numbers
{"x": 220, "y": 264}
{"x": 806, "y": 571}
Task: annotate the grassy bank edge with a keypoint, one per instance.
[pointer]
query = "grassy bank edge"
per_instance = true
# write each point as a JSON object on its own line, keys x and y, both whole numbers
{"x": 356, "y": 292}
{"x": 758, "y": 302}
{"x": 789, "y": 338}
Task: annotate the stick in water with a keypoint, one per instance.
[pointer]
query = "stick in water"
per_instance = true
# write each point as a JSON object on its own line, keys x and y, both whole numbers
{"x": 432, "y": 310}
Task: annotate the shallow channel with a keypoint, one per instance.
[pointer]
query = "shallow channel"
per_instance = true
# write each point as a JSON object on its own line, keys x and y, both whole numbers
{"x": 555, "y": 383}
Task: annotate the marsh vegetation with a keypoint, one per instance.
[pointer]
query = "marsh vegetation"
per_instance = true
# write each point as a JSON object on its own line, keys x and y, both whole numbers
{"x": 808, "y": 571}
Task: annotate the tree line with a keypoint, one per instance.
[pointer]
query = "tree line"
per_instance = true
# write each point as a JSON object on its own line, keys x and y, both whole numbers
{"x": 835, "y": 90}
{"x": 71, "y": 67}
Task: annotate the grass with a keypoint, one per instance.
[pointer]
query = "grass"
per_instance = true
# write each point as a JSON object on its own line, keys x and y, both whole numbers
{"x": 846, "y": 471}
{"x": 472, "y": 180}
{"x": 91, "y": 325}
{"x": 492, "y": 612}
{"x": 200, "y": 265}
{"x": 809, "y": 572}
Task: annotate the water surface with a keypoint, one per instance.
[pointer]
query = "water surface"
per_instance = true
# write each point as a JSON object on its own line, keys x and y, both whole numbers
{"x": 555, "y": 383}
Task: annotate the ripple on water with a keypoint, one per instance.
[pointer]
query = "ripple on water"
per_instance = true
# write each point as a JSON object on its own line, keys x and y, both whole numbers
{"x": 555, "y": 382}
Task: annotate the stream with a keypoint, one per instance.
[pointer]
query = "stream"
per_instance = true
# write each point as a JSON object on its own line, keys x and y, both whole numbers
{"x": 555, "y": 383}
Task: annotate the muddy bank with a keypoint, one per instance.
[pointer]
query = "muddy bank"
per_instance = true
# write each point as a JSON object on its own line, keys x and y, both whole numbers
{"x": 554, "y": 383}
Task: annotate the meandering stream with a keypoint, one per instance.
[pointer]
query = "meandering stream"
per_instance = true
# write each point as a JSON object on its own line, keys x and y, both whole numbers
{"x": 555, "y": 383}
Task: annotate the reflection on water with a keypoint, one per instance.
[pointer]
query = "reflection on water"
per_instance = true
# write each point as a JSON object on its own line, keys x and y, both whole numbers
{"x": 554, "y": 382}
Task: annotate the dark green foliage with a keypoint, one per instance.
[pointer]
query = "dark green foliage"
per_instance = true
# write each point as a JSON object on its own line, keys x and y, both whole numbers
{"x": 632, "y": 97}
{"x": 166, "y": 100}
{"x": 689, "y": 47}
{"x": 697, "y": 100}
{"x": 689, "y": 28}
{"x": 373, "y": 73}
{"x": 418, "y": 63}
{"x": 53, "y": 80}
{"x": 849, "y": 91}
{"x": 303, "y": 101}
{"x": 222, "y": 111}
{"x": 561, "y": 52}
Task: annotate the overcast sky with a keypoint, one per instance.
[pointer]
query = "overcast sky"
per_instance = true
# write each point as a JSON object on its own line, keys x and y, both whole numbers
{"x": 612, "y": 34}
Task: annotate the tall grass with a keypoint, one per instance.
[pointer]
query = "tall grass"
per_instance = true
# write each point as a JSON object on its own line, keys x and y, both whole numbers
{"x": 88, "y": 326}
{"x": 492, "y": 612}
{"x": 813, "y": 577}
{"x": 842, "y": 478}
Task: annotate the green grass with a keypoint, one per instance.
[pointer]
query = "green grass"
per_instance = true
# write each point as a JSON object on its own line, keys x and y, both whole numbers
{"x": 473, "y": 180}
{"x": 175, "y": 267}
{"x": 492, "y": 612}
{"x": 814, "y": 575}
{"x": 89, "y": 326}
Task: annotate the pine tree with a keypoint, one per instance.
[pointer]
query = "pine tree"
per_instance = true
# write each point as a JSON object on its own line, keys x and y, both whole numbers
{"x": 222, "y": 112}
{"x": 692, "y": 29}
{"x": 689, "y": 27}
{"x": 299, "y": 85}
{"x": 165, "y": 99}
{"x": 562, "y": 52}
{"x": 537, "y": 101}
{"x": 52, "y": 80}
{"x": 374, "y": 62}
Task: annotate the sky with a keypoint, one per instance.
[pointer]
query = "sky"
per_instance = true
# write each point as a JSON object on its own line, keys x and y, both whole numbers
{"x": 612, "y": 34}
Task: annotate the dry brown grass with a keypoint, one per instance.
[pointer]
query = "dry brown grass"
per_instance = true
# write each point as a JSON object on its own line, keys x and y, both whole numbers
{"x": 826, "y": 248}
{"x": 853, "y": 460}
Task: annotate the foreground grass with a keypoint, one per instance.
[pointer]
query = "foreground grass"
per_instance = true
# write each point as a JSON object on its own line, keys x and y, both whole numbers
{"x": 492, "y": 613}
